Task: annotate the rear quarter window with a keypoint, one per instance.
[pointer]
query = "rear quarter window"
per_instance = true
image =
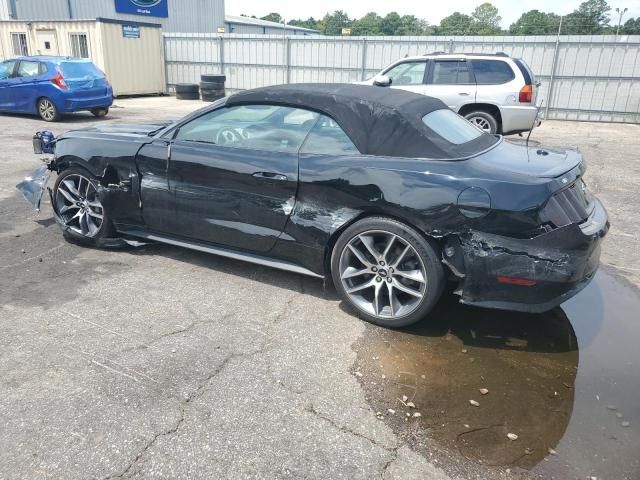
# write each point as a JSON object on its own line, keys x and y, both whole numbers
{"x": 492, "y": 72}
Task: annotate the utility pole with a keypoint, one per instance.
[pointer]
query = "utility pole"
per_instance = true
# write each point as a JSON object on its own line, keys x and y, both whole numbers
{"x": 620, "y": 15}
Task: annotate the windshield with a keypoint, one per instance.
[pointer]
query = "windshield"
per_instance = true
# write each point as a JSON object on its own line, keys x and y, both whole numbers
{"x": 80, "y": 70}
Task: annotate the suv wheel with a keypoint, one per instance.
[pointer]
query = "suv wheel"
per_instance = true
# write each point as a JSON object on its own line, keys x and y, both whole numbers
{"x": 484, "y": 121}
{"x": 387, "y": 272}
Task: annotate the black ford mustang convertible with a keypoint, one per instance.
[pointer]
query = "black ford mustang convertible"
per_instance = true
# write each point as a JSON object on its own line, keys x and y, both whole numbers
{"x": 388, "y": 193}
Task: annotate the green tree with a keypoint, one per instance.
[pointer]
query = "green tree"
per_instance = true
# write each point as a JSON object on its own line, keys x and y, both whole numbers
{"x": 589, "y": 18}
{"x": 535, "y": 22}
{"x": 411, "y": 25}
{"x": 311, "y": 23}
{"x": 367, "y": 25}
{"x": 334, "y": 23}
{"x": 390, "y": 24}
{"x": 273, "y": 17}
{"x": 631, "y": 27}
{"x": 486, "y": 20}
{"x": 455, "y": 24}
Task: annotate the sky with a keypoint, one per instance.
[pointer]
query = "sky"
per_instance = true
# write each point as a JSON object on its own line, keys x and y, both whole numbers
{"x": 433, "y": 11}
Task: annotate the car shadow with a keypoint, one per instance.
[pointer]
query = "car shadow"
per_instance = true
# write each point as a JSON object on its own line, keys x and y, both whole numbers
{"x": 77, "y": 117}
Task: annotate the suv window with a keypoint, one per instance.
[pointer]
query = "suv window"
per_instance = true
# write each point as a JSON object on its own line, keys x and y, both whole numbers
{"x": 28, "y": 69}
{"x": 492, "y": 72}
{"x": 451, "y": 72}
{"x": 327, "y": 138}
{"x": 256, "y": 127}
{"x": 408, "y": 73}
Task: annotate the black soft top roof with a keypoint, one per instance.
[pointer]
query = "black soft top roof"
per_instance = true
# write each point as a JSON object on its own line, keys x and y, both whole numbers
{"x": 380, "y": 121}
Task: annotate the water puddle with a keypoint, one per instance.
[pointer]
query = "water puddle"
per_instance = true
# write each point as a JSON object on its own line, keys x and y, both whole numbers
{"x": 566, "y": 383}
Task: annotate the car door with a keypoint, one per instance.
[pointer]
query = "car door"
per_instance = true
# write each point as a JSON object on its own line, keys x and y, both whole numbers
{"x": 409, "y": 75}
{"x": 234, "y": 174}
{"x": 452, "y": 81}
{"x": 7, "y": 80}
{"x": 24, "y": 88}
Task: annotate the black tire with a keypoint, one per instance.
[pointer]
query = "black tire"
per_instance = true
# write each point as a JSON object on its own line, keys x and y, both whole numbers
{"x": 188, "y": 96}
{"x": 210, "y": 92}
{"x": 212, "y": 85}
{"x": 47, "y": 110}
{"x": 213, "y": 78}
{"x": 187, "y": 88}
{"x": 483, "y": 120}
{"x": 105, "y": 235}
{"x": 100, "y": 112}
{"x": 434, "y": 280}
{"x": 211, "y": 98}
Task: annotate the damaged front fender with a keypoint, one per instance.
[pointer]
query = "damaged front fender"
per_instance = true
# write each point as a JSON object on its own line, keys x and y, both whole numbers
{"x": 34, "y": 185}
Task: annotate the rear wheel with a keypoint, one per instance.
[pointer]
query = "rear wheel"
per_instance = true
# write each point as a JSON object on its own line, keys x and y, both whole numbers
{"x": 100, "y": 112}
{"x": 483, "y": 120}
{"x": 387, "y": 272}
{"x": 78, "y": 206}
{"x": 47, "y": 110}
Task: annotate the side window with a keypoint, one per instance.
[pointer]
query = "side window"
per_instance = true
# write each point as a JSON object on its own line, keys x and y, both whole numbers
{"x": 256, "y": 127}
{"x": 327, "y": 138}
{"x": 28, "y": 69}
{"x": 7, "y": 69}
{"x": 492, "y": 72}
{"x": 408, "y": 73}
{"x": 451, "y": 72}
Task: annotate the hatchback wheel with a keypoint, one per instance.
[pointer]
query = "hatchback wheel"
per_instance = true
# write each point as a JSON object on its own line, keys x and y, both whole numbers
{"x": 47, "y": 110}
{"x": 387, "y": 272}
{"x": 484, "y": 121}
{"x": 78, "y": 206}
{"x": 100, "y": 112}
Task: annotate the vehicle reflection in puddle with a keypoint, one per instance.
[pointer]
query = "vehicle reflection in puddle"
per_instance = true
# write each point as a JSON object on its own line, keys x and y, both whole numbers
{"x": 565, "y": 382}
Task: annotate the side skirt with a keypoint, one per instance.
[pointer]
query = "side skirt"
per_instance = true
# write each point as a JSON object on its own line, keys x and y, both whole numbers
{"x": 223, "y": 252}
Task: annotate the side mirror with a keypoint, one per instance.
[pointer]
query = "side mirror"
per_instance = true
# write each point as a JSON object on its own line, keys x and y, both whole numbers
{"x": 382, "y": 81}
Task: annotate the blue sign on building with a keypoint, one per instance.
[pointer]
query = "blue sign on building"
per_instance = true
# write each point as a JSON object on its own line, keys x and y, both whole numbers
{"x": 149, "y": 8}
{"x": 130, "y": 31}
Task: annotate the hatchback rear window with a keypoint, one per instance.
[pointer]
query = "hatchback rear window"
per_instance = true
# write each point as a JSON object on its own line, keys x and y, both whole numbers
{"x": 451, "y": 126}
{"x": 492, "y": 72}
{"x": 80, "y": 70}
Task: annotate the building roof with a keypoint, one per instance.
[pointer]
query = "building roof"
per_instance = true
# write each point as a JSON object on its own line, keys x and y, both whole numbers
{"x": 380, "y": 121}
{"x": 263, "y": 23}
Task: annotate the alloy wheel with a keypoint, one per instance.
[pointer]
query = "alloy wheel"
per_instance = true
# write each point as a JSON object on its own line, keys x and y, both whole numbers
{"x": 47, "y": 109}
{"x": 382, "y": 274}
{"x": 481, "y": 123}
{"x": 78, "y": 205}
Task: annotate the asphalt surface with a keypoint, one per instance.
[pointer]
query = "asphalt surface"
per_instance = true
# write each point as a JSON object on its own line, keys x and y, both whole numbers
{"x": 165, "y": 363}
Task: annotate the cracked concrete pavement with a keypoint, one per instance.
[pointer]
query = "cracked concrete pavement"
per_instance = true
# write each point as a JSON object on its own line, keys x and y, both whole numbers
{"x": 165, "y": 363}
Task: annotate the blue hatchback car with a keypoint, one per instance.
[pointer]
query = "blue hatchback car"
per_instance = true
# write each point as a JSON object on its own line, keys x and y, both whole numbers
{"x": 51, "y": 86}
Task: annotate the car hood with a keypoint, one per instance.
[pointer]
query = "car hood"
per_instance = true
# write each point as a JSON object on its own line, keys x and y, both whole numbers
{"x": 117, "y": 129}
{"x": 518, "y": 158}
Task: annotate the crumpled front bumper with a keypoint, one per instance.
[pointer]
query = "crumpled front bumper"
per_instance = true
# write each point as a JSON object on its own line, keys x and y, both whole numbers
{"x": 33, "y": 186}
{"x": 556, "y": 266}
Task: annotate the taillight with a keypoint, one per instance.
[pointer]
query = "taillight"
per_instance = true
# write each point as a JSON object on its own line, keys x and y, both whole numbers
{"x": 58, "y": 80}
{"x": 526, "y": 94}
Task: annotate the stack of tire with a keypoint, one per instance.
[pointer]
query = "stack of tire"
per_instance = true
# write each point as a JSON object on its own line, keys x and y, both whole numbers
{"x": 187, "y": 91}
{"x": 212, "y": 87}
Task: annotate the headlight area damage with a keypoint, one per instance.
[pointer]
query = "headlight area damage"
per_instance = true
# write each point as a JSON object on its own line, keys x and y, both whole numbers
{"x": 529, "y": 275}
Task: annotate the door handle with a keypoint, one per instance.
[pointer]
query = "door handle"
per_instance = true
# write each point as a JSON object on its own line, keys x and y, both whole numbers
{"x": 464, "y": 94}
{"x": 270, "y": 176}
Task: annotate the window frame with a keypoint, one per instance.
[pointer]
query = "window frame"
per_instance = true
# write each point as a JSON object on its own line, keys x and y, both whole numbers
{"x": 427, "y": 67}
{"x": 301, "y": 149}
{"x": 75, "y": 35}
{"x": 432, "y": 67}
{"x": 472, "y": 69}
{"x": 25, "y": 48}
{"x": 13, "y": 70}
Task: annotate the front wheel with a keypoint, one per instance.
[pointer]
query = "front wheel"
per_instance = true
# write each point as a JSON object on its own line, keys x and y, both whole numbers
{"x": 100, "y": 112}
{"x": 48, "y": 110}
{"x": 387, "y": 272}
{"x": 79, "y": 209}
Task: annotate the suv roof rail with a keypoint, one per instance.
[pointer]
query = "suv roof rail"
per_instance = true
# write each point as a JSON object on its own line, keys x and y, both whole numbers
{"x": 479, "y": 54}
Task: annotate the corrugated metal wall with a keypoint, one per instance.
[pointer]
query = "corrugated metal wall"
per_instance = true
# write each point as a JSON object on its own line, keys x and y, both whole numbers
{"x": 184, "y": 15}
{"x": 595, "y": 78}
{"x": 4, "y": 10}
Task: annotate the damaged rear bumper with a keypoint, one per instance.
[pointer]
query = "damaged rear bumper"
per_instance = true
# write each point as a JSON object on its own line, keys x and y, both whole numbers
{"x": 530, "y": 275}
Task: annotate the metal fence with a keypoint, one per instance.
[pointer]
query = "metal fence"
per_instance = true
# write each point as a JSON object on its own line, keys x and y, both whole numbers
{"x": 591, "y": 78}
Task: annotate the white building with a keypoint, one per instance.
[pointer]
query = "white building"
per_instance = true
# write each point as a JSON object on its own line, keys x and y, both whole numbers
{"x": 249, "y": 25}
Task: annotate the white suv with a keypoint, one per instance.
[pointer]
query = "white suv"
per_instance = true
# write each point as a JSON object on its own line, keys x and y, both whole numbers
{"x": 494, "y": 91}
